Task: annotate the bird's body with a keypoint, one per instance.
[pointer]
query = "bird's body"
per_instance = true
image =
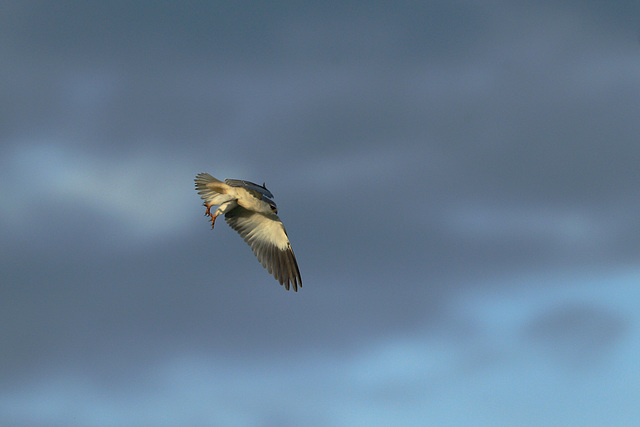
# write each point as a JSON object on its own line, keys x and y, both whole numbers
{"x": 249, "y": 210}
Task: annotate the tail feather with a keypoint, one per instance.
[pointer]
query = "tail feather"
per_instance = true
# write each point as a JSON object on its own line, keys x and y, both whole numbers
{"x": 209, "y": 187}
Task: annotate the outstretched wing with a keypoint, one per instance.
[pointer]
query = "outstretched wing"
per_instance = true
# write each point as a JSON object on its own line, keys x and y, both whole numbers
{"x": 249, "y": 186}
{"x": 266, "y": 236}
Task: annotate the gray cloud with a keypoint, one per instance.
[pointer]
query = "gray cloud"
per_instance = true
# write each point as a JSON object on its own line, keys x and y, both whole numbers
{"x": 416, "y": 151}
{"x": 577, "y": 335}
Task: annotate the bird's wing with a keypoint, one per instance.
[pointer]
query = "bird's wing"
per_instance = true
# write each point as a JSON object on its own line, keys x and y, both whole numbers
{"x": 269, "y": 242}
{"x": 249, "y": 186}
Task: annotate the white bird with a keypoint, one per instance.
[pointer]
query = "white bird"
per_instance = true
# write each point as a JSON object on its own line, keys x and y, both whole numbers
{"x": 249, "y": 210}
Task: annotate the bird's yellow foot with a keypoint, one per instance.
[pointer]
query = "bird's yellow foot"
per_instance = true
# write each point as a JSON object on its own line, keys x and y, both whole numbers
{"x": 213, "y": 220}
{"x": 208, "y": 212}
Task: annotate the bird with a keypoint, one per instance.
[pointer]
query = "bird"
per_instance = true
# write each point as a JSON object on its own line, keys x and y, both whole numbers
{"x": 248, "y": 208}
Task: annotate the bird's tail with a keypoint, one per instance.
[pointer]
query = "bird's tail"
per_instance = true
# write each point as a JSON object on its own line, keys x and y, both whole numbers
{"x": 209, "y": 188}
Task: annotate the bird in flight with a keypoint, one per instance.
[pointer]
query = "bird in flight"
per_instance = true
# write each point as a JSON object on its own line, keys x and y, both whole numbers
{"x": 249, "y": 210}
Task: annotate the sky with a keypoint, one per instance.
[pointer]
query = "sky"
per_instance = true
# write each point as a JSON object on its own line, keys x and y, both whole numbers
{"x": 459, "y": 182}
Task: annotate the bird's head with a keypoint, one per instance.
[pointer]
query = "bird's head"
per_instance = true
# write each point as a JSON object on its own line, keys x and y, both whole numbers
{"x": 272, "y": 205}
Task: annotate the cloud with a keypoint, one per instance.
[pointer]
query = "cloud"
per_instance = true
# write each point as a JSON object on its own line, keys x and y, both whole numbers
{"x": 578, "y": 334}
{"x": 438, "y": 168}
{"x": 141, "y": 194}
{"x": 426, "y": 375}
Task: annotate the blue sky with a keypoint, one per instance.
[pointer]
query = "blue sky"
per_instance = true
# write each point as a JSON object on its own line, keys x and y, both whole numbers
{"x": 459, "y": 182}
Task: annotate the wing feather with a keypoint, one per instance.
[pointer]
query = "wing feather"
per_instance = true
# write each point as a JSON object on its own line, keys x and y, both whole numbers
{"x": 267, "y": 237}
{"x": 248, "y": 185}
